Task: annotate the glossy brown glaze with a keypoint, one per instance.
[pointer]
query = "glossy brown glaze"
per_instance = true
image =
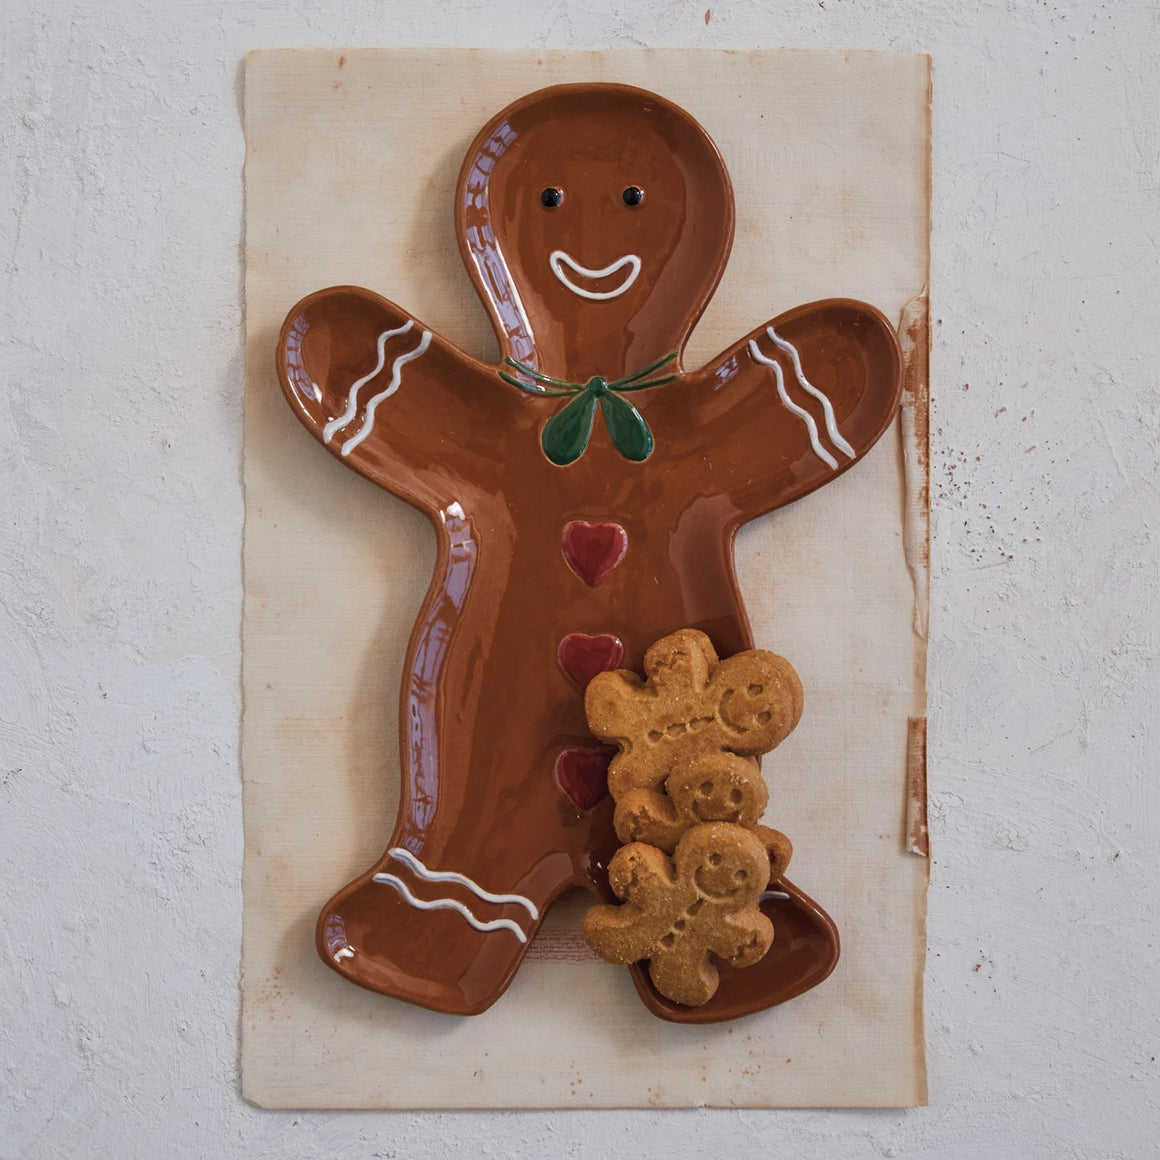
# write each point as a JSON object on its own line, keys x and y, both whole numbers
{"x": 487, "y": 708}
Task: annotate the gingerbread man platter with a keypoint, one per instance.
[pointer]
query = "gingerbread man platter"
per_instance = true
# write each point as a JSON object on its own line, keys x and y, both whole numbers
{"x": 585, "y": 492}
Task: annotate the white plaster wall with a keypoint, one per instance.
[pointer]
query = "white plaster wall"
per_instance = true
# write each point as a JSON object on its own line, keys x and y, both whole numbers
{"x": 121, "y": 353}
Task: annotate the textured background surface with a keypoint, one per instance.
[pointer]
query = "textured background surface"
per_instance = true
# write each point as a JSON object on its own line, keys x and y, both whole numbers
{"x": 121, "y": 354}
{"x": 355, "y": 145}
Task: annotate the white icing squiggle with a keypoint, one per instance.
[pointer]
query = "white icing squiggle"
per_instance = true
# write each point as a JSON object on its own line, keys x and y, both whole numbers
{"x": 451, "y": 904}
{"x": 396, "y": 378}
{"x": 802, "y": 414}
{"x": 352, "y": 396}
{"x": 559, "y": 258}
{"x": 831, "y": 423}
{"x": 409, "y": 859}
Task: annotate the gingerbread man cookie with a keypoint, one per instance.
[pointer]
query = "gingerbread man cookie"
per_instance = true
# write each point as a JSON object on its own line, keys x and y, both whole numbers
{"x": 689, "y": 704}
{"x": 584, "y": 491}
{"x": 678, "y": 911}
{"x": 715, "y": 787}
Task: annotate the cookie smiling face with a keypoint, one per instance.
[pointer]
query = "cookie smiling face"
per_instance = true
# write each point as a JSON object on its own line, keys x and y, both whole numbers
{"x": 719, "y": 787}
{"x": 728, "y": 873}
{"x": 566, "y": 267}
{"x": 596, "y": 221}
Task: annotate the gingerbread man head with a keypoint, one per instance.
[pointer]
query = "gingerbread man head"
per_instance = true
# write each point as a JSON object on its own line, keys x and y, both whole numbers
{"x": 713, "y": 787}
{"x": 595, "y": 221}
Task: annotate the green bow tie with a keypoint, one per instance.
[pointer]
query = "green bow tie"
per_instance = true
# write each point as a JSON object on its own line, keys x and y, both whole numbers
{"x": 566, "y": 433}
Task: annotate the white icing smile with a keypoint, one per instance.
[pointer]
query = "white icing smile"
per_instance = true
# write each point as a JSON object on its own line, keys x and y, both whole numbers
{"x": 559, "y": 260}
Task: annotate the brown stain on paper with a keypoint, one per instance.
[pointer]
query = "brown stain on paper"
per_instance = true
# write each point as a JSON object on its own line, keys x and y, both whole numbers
{"x": 914, "y": 336}
{"x": 917, "y": 835}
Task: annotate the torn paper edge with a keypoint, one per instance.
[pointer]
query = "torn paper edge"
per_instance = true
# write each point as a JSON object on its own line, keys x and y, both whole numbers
{"x": 914, "y": 413}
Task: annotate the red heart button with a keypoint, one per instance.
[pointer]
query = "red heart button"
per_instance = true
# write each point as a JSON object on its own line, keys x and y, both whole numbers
{"x": 593, "y": 550}
{"x": 582, "y": 774}
{"x": 582, "y": 656}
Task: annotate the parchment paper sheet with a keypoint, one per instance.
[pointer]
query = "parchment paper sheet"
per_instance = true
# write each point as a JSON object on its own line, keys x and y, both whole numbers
{"x": 350, "y": 173}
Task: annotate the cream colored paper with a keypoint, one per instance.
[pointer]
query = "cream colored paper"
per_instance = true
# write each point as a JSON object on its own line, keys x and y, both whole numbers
{"x": 350, "y": 171}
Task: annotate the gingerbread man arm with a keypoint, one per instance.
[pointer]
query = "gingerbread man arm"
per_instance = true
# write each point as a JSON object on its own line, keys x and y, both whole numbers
{"x": 780, "y": 850}
{"x": 388, "y": 397}
{"x": 792, "y": 405}
{"x": 623, "y": 934}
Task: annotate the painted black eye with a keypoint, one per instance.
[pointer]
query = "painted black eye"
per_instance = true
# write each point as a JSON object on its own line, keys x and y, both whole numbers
{"x": 551, "y": 197}
{"x": 633, "y": 195}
